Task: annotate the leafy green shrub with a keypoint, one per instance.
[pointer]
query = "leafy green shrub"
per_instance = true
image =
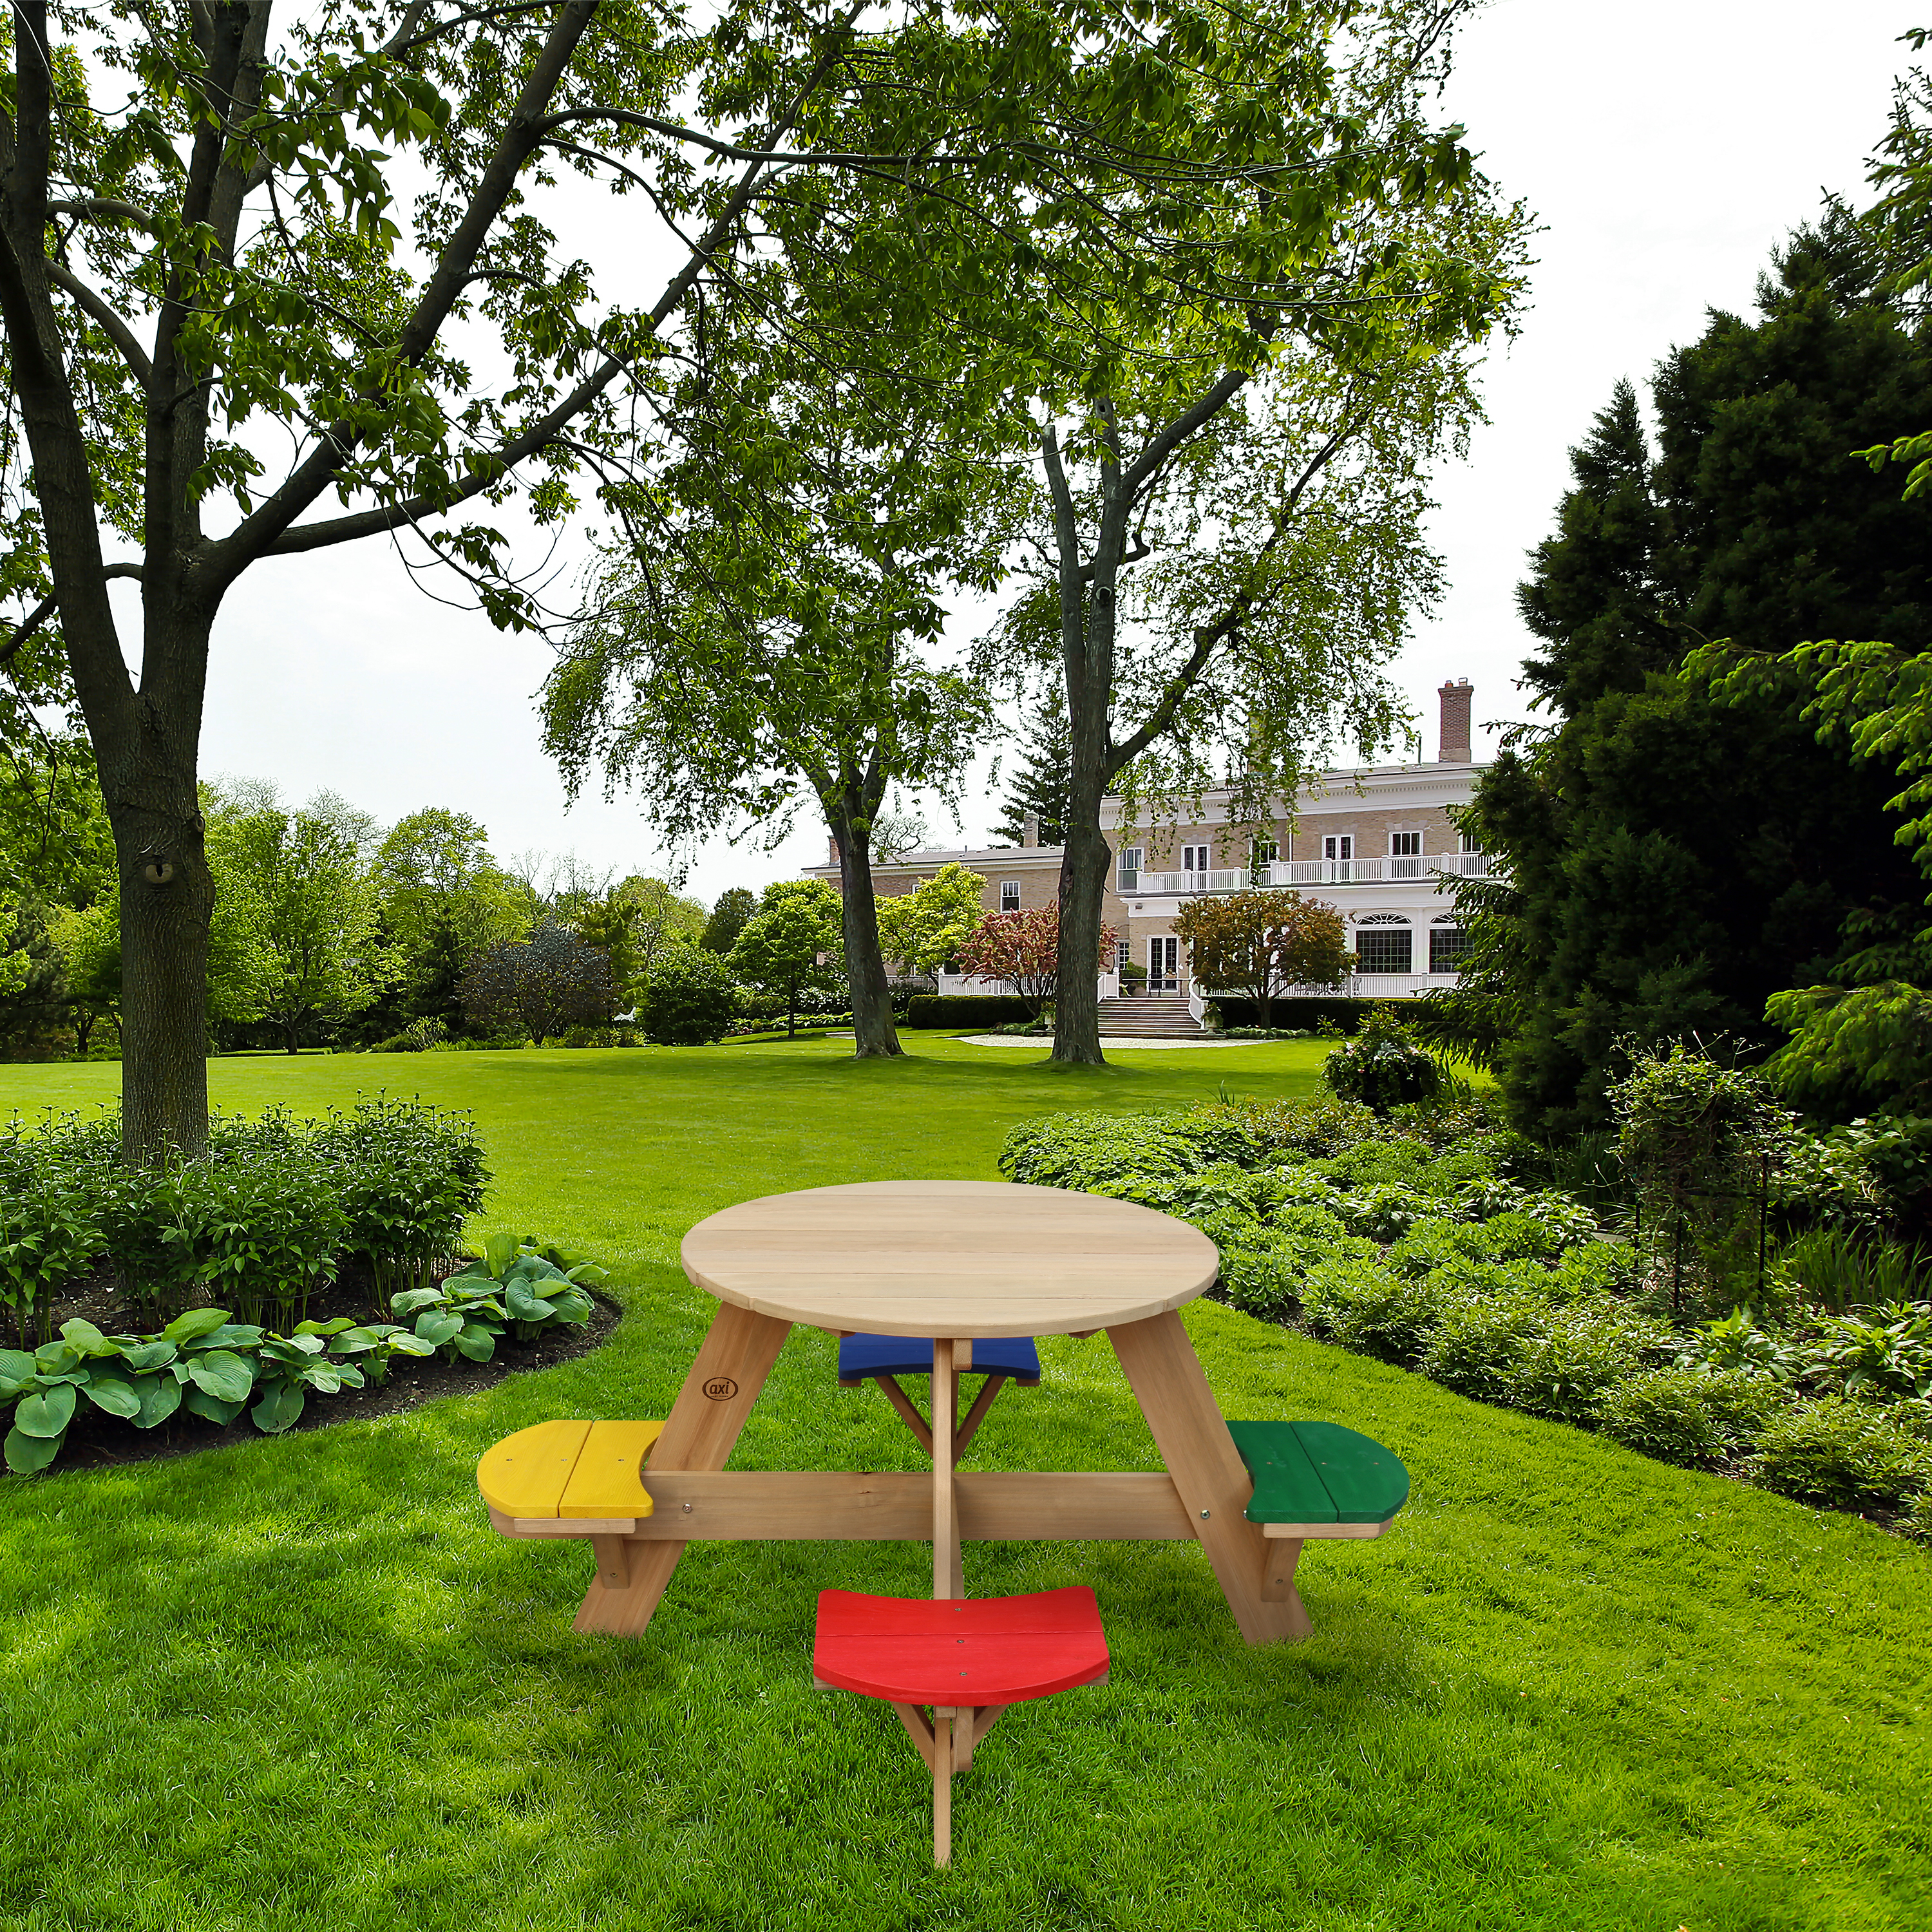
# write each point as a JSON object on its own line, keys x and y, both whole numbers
{"x": 590, "y": 1036}
{"x": 408, "y": 1175}
{"x": 1886, "y": 1353}
{"x": 1579, "y": 1354}
{"x": 52, "y": 1178}
{"x": 262, "y": 1232}
{"x": 1372, "y": 1309}
{"x": 1837, "y": 1451}
{"x": 1689, "y": 1413}
{"x": 1384, "y": 1213}
{"x": 1382, "y": 1066}
{"x": 691, "y": 999}
{"x": 1291, "y": 1129}
{"x": 1738, "y": 1340}
{"x": 1477, "y": 1344}
{"x": 512, "y": 1284}
{"x": 201, "y": 1362}
{"x": 1083, "y": 1151}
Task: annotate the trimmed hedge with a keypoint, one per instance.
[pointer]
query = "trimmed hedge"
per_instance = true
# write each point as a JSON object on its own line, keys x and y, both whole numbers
{"x": 966, "y": 1010}
{"x": 1348, "y": 1015}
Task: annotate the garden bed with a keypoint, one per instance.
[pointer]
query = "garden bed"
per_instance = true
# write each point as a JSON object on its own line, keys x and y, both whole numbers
{"x": 1422, "y": 1237}
{"x": 95, "y": 1440}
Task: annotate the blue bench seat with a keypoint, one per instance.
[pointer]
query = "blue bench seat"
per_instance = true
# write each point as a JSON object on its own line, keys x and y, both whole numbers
{"x": 863, "y": 1357}
{"x": 884, "y": 1358}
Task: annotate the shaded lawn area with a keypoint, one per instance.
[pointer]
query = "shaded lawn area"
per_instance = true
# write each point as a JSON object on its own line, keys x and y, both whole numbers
{"x": 302, "y": 1683}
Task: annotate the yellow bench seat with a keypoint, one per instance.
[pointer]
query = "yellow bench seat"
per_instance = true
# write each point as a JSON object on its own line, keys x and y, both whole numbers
{"x": 577, "y": 1471}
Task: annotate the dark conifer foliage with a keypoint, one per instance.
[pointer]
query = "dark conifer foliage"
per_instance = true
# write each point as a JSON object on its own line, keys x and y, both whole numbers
{"x": 1042, "y": 783}
{"x": 1674, "y": 861}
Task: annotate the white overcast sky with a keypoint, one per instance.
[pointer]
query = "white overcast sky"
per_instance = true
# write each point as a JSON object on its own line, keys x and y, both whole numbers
{"x": 1665, "y": 146}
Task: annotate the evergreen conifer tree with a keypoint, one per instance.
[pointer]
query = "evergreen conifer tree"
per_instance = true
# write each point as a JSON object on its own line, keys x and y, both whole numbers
{"x": 1040, "y": 787}
{"x": 1674, "y": 860}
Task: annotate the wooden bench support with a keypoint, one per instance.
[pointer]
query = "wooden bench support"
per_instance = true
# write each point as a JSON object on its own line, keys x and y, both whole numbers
{"x": 792, "y": 1506}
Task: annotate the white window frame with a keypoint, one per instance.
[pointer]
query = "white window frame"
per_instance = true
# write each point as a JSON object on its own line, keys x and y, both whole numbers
{"x": 1010, "y": 889}
{"x": 1338, "y": 845}
{"x": 1128, "y": 863}
{"x": 1465, "y": 842}
{"x": 1196, "y": 858}
{"x": 1123, "y": 955}
{"x": 1398, "y": 849}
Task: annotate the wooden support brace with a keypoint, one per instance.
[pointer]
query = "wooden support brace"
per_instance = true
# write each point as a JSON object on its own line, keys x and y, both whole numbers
{"x": 919, "y": 1728}
{"x": 1279, "y": 1556}
{"x": 892, "y": 1505}
{"x": 976, "y": 1414}
{"x": 949, "y": 1577}
{"x": 613, "y": 1561}
{"x": 943, "y": 1724}
{"x": 700, "y": 1433}
{"x": 908, "y": 1410}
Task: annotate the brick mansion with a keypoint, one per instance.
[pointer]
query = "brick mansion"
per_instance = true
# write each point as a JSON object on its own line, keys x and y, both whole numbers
{"x": 1377, "y": 844}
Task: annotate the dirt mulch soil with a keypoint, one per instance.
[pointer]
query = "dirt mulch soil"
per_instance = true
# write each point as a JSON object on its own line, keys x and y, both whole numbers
{"x": 96, "y": 1440}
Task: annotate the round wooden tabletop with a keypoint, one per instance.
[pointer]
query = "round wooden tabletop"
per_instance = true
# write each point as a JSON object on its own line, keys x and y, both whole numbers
{"x": 952, "y": 1258}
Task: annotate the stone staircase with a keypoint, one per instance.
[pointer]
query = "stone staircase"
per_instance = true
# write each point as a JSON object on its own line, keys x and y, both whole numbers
{"x": 1148, "y": 1016}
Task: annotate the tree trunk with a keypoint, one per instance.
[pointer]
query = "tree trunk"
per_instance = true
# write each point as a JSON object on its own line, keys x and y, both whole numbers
{"x": 167, "y": 896}
{"x": 1083, "y": 885}
{"x": 1086, "y": 617}
{"x": 875, "y": 1037}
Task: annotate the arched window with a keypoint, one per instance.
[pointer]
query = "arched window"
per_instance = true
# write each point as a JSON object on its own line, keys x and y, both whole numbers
{"x": 1384, "y": 944}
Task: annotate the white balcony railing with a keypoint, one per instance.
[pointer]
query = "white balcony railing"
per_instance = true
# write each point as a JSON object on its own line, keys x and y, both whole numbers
{"x": 1306, "y": 872}
{"x": 1187, "y": 884}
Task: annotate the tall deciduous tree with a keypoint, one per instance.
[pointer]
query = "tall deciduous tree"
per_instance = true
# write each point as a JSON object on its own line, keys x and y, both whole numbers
{"x": 1235, "y": 486}
{"x": 758, "y": 641}
{"x": 635, "y": 924}
{"x": 222, "y": 236}
{"x": 734, "y": 907}
{"x": 790, "y": 943}
{"x": 542, "y": 984}
{"x": 925, "y": 928}
{"x": 1026, "y": 950}
{"x": 311, "y": 908}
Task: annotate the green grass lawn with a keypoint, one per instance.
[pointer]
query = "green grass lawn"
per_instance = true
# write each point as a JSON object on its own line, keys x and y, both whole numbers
{"x": 300, "y": 1684}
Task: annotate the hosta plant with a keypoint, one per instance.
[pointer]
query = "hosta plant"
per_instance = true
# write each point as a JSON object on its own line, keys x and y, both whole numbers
{"x": 512, "y": 1284}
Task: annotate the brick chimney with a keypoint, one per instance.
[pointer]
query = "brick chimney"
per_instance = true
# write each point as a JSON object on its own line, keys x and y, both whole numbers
{"x": 1030, "y": 829}
{"x": 834, "y": 843}
{"x": 1454, "y": 748}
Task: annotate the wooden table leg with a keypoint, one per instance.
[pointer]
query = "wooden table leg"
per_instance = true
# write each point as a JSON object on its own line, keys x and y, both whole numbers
{"x": 700, "y": 1433}
{"x": 948, "y": 1574}
{"x": 1166, "y": 1377}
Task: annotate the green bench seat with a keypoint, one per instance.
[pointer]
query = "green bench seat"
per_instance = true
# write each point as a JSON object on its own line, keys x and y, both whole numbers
{"x": 1319, "y": 1479}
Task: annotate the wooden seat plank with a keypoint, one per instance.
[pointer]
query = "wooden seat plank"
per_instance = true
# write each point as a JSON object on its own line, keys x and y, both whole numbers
{"x": 526, "y": 1475}
{"x": 1367, "y": 1483}
{"x": 608, "y": 1479}
{"x": 1288, "y": 1488}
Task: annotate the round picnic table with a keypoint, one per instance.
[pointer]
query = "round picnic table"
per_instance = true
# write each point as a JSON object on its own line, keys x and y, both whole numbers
{"x": 959, "y": 1261}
